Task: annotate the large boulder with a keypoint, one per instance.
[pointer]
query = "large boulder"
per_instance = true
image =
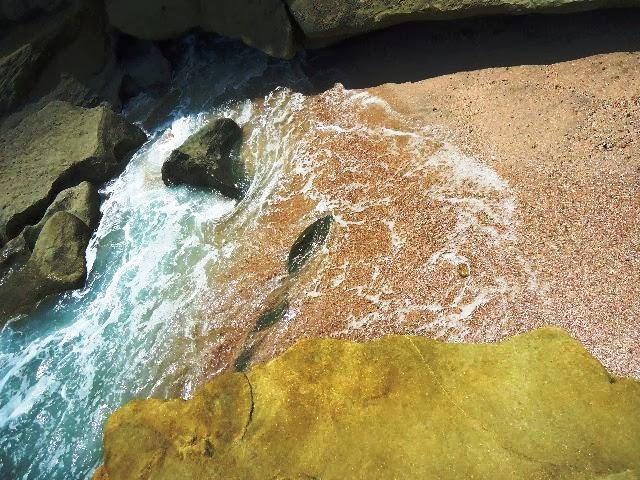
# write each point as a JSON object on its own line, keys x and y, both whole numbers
{"x": 537, "y": 406}
{"x": 57, "y": 264}
{"x": 329, "y": 21}
{"x": 57, "y": 147}
{"x": 209, "y": 159}
{"x": 264, "y": 24}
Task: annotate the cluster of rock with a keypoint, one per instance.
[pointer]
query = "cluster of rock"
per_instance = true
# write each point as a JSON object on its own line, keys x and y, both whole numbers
{"x": 49, "y": 205}
{"x": 535, "y": 406}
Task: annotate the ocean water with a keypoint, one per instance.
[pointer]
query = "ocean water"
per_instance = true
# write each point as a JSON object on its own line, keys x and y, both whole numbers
{"x": 128, "y": 333}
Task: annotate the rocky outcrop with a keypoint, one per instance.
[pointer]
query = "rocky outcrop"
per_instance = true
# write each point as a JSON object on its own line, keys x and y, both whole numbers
{"x": 209, "y": 159}
{"x": 326, "y": 22}
{"x": 82, "y": 201}
{"x": 536, "y": 406}
{"x": 53, "y": 149}
{"x": 263, "y": 24}
{"x": 57, "y": 264}
{"x": 45, "y": 41}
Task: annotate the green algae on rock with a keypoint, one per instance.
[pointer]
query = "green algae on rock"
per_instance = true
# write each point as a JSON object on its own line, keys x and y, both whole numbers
{"x": 537, "y": 406}
{"x": 209, "y": 159}
{"x": 56, "y": 148}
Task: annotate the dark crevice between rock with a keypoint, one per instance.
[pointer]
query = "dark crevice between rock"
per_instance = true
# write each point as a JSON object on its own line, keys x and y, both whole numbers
{"x": 251, "y": 408}
{"x": 299, "y": 38}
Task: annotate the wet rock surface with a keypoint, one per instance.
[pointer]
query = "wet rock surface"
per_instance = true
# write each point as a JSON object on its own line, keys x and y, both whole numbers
{"x": 535, "y": 406}
{"x": 57, "y": 264}
{"x": 209, "y": 159}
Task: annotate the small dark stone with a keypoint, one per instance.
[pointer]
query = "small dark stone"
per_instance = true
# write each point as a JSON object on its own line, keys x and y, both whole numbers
{"x": 308, "y": 243}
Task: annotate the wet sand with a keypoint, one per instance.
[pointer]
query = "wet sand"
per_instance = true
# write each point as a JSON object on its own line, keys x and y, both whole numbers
{"x": 469, "y": 207}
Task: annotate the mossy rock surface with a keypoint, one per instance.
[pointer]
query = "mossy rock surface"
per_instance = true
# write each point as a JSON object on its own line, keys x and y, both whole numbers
{"x": 56, "y": 148}
{"x": 537, "y": 406}
{"x": 209, "y": 159}
{"x": 329, "y": 21}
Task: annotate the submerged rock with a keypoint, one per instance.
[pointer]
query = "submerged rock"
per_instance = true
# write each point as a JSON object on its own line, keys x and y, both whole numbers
{"x": 309, "y": 241}
{"x": 209, "y": 159}
{"x": 44, "y": 40}
{"x": 57, "y": 264}
{"x": 264, "y": 25}
{"x": 53, "y": 149}
{"x": 535, "y": 406}
{"x": 326, "y": 22}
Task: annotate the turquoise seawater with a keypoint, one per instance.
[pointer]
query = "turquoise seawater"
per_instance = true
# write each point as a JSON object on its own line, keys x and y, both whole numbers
{"x": 128, "y": 333}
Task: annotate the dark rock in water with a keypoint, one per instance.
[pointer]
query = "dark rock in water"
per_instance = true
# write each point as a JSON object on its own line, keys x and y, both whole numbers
{"x": 53, "y": 149}
{"x": 209, "y": 159}
{"x": 83, "y": 201}
{"x": 265, "y": 24}
{"x": 57, "y": 264}
{"x": 537, "y": 406}
{"x": 308, "y": 243}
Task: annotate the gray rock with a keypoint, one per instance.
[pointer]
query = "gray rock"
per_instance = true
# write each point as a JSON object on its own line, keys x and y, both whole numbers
{"x": 209, "y": 159}
{"x": 146, "y": 70}
{"x": 35, "y": 53}
{"x": 57, "y": 264}
{"x": 83, "y": 201}
{"x": 53, "y": 149}
{"x": 328, "y": 21}
{"x": 264, "y": 24}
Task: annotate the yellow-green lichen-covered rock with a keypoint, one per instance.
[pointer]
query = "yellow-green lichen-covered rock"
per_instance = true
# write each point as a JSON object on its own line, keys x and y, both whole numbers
{"x": 537, "y": 406}
{"x": 326, "y": 21}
